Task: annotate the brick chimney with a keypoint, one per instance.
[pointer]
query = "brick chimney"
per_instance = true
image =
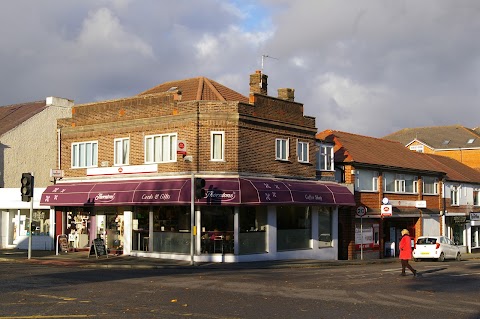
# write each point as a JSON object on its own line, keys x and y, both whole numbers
{"x": 258, "y": 83}
{"x": 286, "y": 94}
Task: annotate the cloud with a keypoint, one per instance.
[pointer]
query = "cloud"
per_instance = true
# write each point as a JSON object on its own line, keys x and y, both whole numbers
{"x": 368, "y": 67}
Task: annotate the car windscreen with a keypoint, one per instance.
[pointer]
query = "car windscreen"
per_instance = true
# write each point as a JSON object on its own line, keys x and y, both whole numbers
{"x": 426, "y": 241}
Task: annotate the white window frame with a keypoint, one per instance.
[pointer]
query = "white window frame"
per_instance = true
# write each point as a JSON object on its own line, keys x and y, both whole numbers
{"x": 160, "y": 148}
{"x": 121, "y": 155}
{"x": 303, "y": 151}
{"x": 399, "y": 186}
{"x": 435, "y": 186}
{"x": 325, "y": 160}
{"x": 282, "y": 146}
{"x": 455, "y": 195}
{"x": 88, "y": 150}
{"x": 360, "y": 176}
{"x": 215, "y": 154}
{"x": 417, "y": 148}
{"x": 477, "y": 198}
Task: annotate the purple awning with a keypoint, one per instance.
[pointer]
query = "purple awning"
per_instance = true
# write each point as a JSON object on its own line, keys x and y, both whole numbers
{"x": 219, "y": 191}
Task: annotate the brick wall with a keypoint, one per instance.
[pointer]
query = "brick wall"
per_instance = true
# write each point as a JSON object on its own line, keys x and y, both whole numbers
{"x": 250, "y": 133}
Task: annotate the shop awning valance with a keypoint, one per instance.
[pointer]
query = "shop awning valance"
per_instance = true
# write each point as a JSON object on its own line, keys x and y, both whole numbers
{"x": 219, "y": 191}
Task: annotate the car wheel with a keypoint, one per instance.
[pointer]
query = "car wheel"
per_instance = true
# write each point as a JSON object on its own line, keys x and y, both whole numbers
{"x": 459, "y": 257}
{"x": 416, "y": 259}
{"x": 442, "y": 257}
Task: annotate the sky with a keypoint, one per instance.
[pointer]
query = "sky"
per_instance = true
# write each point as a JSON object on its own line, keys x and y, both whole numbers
{"x": 369, "y": 67}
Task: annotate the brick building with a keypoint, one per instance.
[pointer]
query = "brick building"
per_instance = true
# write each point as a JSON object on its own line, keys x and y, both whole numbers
{"x": 397, "y": 189}
{"x": 129, "y": 165}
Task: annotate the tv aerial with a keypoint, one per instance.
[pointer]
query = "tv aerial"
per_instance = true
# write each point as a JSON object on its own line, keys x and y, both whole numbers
{"x": 266, "y": 56}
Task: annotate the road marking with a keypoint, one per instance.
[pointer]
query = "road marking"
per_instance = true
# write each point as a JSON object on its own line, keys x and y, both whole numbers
{"x": 388, "y": 270}
{"x": 47, "y": 317}
{"x": 437, "y": 266}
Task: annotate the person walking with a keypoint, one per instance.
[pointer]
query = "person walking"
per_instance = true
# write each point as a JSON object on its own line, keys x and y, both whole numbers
{"x": 406, "y": 252}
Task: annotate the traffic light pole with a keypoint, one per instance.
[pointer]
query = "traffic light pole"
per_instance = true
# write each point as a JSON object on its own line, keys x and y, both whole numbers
{"x": 192, "y": 220}
{"x": 30, "y": 227}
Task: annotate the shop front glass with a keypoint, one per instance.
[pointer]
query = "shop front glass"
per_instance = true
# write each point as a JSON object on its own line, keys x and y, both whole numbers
{"x": 458, "y": 227}
{"x": 78, "y": 227}
{"x": 171, "y": 229}
{"x": 324, "y": 227}
{"x": 475, "y": 237}
{"x": 40, "y": 225}
{"x": 293, "y": 227}
{"x": 140, "y": 228}
{"x": 217, "y": 230}
{"x": 252, "y": 237}
{"x": 110, "y": 227}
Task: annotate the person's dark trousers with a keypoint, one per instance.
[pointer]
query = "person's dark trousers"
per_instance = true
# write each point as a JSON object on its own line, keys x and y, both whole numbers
{"x": 405, "y": 264}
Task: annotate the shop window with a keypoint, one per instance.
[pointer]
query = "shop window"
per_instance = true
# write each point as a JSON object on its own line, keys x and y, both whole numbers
{"x": 293, "y": 228}
{"x": 324, "y": 227}
{"x": 140, "y": 227}
{"x": 78, "y": 228}
{"x": 171, "y": 229}
{"x": 252, "y": 233}
{"x": 85, "y": 154}
{"x": 161, "y": 148}
{"x": 217, "y": 230}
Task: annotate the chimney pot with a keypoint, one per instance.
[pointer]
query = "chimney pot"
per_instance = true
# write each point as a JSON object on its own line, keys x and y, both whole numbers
{"x": 287, "y": 94}
{"x": 258, "y": 83}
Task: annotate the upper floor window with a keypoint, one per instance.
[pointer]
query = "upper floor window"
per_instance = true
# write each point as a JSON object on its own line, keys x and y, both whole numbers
{"x": 85, "y": 154}
{"x": 476, "y": 197}
{"x": 325, "y": 158}
{"x": 455, "y": 195}
{"x": 417, "y": 148}
{"x": 217, "y": 146}
{"x": 302, "y": 151}
{"x": 366, "y": 180}
{"x": 161, "y": 148}
{"x": 281, "y": 149}
{"x": 121, "y": 151}
{"x": 400, "y": 183}
{"x": 430, "y": 185}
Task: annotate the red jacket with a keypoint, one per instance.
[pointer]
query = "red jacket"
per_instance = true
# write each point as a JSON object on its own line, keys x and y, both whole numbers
{"x": 405, "y": 247}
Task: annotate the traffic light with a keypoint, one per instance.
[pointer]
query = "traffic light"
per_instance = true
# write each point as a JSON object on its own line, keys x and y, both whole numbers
{"x": 199, "y": 185}
{"x": 27, "y": 187}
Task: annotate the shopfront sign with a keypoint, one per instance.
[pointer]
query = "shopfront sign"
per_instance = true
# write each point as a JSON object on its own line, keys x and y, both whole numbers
{"x": 386, "y": 210}
{"x": 474, "y": 216}
{"x": 219, "y": 191}
{"x": 123, "y": 170}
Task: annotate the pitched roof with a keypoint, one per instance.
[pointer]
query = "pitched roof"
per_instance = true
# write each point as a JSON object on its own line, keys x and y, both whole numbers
{"x": 199, "y": 88}
{"x": 13, "y": 115}
{"x": 436, "y": 137}
{"x": 359, "y": 149}
{"x": 456, "y": 171}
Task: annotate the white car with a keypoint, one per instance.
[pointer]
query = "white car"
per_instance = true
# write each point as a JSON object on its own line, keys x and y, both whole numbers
{"x": 436, "y": 247}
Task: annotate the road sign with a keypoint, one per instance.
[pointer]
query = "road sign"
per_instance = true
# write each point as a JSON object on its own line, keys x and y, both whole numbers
{"x": 386, "y": 210}
{"x": 361, "y": 211}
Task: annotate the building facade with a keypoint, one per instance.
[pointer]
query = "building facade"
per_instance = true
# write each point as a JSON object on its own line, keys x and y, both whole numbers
{"x": 394, "y": 189}
{"x": 28, "y": 135}
{"x": 130, "y": 166}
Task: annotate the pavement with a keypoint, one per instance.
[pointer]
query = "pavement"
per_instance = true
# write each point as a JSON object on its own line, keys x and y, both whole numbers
{"x": 83, "y": 260}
